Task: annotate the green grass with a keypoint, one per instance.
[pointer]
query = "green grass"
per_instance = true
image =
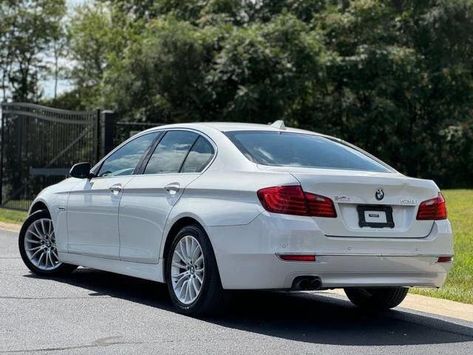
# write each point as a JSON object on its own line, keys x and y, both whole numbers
{"x": 12, "y": 216}
{"x": 459, "y": 285}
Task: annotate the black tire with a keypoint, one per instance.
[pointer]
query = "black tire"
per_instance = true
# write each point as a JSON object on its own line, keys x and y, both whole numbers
{"x": 210, "y": 299}
{"x": 60, "y": 270}
{"x": 376, "y": 298}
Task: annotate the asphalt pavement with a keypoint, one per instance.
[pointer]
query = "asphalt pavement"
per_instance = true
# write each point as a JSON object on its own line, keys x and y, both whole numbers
{"x": 98, "y": 312}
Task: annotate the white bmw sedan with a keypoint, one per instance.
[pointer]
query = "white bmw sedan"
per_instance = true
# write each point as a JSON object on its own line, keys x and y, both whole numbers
{"x": 208, "y": 207}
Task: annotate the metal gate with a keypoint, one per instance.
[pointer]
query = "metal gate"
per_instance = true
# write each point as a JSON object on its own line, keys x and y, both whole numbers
{"x": 39, "y": 145}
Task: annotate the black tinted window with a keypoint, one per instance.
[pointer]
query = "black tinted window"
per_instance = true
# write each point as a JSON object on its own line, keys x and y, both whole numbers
{"x": 125, "y": 159}
{"x": 199, "y": 156}
{"x": 170, "y": 152}
{"x": 301, "y": 150}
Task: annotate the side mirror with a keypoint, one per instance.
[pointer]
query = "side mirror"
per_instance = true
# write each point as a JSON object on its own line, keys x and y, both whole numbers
{"x": 80, "y": 171}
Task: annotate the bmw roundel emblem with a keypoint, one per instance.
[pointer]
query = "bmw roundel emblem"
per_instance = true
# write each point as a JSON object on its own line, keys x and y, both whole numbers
{"x": 379, "y": 194}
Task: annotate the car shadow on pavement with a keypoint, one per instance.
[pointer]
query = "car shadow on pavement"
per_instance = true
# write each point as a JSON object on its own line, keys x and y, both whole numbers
{"x": 306, "y": 317}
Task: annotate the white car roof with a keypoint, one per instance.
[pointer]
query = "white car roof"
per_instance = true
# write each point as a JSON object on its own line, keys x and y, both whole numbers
{"x": 233, "y": 126}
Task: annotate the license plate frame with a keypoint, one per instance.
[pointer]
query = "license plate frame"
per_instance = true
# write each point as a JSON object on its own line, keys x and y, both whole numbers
{"x": 388, "y": 210}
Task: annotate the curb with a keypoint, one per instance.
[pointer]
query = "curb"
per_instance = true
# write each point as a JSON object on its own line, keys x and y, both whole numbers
{"x": 10, "y": 227}
{"x": 430, "y": 305}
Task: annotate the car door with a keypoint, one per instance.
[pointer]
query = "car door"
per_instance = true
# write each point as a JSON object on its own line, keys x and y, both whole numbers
{"x": 92, "y": 210}
{"x": 178, "y": 158}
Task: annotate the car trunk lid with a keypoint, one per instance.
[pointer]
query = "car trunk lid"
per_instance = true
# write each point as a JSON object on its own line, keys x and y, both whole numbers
{"x": 365, "y": 202}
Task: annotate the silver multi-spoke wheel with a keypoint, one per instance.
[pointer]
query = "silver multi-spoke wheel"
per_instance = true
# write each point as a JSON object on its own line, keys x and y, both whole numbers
{"x": 40, "y": 245}
{"x": 191, "y": 273}
{"x": 187, "y": 269}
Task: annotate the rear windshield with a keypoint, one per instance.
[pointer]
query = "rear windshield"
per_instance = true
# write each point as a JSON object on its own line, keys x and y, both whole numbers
{"x": 301, "y": 150}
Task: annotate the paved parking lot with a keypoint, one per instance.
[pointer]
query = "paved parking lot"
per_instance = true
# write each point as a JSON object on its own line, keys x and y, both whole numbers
{"x": 98, "y": 312}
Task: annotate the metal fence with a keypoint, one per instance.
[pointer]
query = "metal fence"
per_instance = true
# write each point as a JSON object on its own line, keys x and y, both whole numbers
{"x": 39, "y": 145}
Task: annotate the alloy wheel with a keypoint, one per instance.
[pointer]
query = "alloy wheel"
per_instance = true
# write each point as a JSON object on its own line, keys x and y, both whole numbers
{"x": 40, "y": 245}
{"x": 187, "y": 269}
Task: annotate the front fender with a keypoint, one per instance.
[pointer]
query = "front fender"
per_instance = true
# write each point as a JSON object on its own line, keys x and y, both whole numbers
{"x": 55, "y": 197}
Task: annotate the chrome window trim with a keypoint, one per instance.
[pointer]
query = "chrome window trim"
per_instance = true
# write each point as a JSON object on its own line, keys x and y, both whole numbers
{"x": 97, "y": 166}
{"x": 199, "y": 133}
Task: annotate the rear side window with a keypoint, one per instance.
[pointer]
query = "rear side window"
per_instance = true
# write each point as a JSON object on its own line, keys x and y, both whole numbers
{"x": 199, "y": 156}
{"x": 301, "y": 150}
{"x": 171, "y": 152}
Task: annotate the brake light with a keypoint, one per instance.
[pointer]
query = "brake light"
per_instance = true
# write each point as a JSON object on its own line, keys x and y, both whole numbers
{"x": 320, "y": 206}
{"x": 294, "y": 201}
{"x": 433, "y": 209}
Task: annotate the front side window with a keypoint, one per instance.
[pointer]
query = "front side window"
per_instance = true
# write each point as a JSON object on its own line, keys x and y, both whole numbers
{"x": 301, "y": 150}
{"x": 125, "y": 160}
{"x": 171, "y": 152}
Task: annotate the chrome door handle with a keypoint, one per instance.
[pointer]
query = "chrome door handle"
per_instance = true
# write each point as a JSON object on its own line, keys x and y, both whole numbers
{"x": 172, "y": 188}
{"x": 115, "y": 188}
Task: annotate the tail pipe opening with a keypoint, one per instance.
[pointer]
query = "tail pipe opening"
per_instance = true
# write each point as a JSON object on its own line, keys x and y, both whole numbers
{"x": 306, "y": 283}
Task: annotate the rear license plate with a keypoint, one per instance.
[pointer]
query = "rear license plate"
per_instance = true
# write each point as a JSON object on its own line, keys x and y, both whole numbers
{"x": 375, "y": 216}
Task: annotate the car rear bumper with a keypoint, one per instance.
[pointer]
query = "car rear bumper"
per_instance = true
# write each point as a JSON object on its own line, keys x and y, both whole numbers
{"x": 247, "y": 256}
{"x": 267, "y": 272}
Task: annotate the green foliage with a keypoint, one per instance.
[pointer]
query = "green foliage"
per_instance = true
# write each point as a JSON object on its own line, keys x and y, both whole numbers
{"x": 262, "y": 71}
{"x": 394, "y": 77}
{"x": 162, "y": 73}
{"x": 28, "y": 28}
{"x": 97, "y": 35}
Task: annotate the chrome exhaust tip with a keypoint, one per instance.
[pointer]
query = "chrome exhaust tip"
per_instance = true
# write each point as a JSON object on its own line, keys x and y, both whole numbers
{"x": 306, "y": 283}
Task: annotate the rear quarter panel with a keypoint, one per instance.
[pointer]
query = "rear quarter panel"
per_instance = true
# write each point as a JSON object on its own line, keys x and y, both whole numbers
{"x": 224, "y": 198}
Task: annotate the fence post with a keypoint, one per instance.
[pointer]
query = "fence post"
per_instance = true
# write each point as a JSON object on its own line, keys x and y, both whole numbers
{"x": 106, "y": 132}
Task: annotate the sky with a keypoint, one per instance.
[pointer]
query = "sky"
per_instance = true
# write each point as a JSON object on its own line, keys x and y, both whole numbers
{"x": 71, "y": 3}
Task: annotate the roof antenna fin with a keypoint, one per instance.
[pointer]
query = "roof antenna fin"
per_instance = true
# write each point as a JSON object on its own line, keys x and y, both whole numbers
{"x": 279, "y": 124}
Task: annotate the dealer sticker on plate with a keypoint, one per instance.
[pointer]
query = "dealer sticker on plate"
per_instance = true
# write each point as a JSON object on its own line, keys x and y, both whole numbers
{"x": 375, "y": 217}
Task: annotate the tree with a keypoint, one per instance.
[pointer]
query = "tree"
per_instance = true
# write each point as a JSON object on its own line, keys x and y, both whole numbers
{"x": 98, "y": 35}
{"x": 58, "y": 51}
{"x": 394, "y": 77}
{"x": 89, "y": 32}
{"x": 401, "y": 77}
{"x": 28, "y": 28}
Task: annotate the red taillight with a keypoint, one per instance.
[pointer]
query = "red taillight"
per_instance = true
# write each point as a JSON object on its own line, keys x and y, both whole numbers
{"x": 320, "y": 206}
{"x": 293, "y": 200}
{"x": 283, "y": 199}
{"x": 292, "y": 257}
{"x": 433, "y": 209}
{"x": 444, "y": 259}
